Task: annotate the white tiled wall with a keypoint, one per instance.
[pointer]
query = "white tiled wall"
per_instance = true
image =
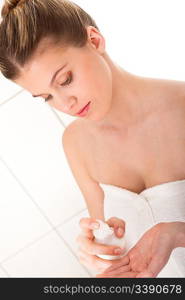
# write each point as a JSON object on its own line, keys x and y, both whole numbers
{"x": 3, "y": 273}
{"x": 31, "y": 144}
{"x": 37, "y": 190}
{"x": 38, "y": 194}
{"x": 72, "y": 226}
{"x": 47, "y": 257}
{"x": 40, "y": 202}
{"x": 8, "y": 89}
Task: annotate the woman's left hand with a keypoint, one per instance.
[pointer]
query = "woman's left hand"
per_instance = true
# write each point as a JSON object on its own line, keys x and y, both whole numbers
{"x": 150, "y": 254}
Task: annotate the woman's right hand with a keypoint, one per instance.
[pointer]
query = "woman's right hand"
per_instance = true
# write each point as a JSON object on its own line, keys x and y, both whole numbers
{"x": 89, "y": 249}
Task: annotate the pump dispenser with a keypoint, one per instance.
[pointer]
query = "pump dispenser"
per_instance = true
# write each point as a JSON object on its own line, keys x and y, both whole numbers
{"x": 105, "y": 235}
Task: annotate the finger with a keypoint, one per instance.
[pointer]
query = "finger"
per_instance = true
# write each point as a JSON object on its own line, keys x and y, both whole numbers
{"x": 118, "y": 225}
{"x": 87, "y": 225}
{"x": 93, "y": 261}
{"x": 123, "y": 275}
{"x": 145, "y": 274}
{"x": 91, "y": 247}
{"x": 120, "y": 270}
{"x": 118, "y": 263}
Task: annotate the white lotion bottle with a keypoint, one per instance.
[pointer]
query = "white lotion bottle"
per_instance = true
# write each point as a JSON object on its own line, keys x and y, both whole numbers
{"x": 105, "y": 235}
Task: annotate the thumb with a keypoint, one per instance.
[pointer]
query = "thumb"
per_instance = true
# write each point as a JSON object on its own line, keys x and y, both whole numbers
{"x": 118, "y": 226}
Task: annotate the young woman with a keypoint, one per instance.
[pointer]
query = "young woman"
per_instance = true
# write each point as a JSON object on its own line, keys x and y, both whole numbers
{"x": 127, "y": 147}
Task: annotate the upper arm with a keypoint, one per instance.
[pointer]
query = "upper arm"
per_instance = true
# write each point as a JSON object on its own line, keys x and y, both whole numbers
{"x": 92, "y": 192}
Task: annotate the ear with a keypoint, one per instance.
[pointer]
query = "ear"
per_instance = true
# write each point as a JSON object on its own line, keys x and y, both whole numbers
{"x": 95, "y": 39}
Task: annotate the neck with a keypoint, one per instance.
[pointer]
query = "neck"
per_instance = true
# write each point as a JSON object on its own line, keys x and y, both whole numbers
{"x": 126, "y": 107}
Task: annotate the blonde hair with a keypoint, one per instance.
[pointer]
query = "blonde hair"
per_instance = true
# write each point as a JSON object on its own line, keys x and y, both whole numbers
{"x": 26, "y": 22}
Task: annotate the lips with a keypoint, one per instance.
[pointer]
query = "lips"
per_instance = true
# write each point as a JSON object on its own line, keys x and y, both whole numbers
{"x": 81, "y": 111}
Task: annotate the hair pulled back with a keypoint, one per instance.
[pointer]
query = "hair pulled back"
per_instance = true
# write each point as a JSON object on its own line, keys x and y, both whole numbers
{"x": 24, "y": 23}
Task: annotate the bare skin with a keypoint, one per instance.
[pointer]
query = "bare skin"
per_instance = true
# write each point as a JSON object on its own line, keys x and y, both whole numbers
{"x": 147, "y": 258}
{"x": 141, "y": 156}
{"x": 132, "y": 137}
{"x": 146, "y": 153}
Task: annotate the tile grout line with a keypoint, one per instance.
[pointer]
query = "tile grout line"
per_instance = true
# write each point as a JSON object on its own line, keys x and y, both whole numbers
{"x": 11, "y": 97}
{"x": 71, "y": 250}
{"x": 37, "y": 239}
{"x": 31, "y": 197}
{"x": 34, "y": 242}
{"x": 38, "y": 207}
{"x": 5, "y": 271}
{"x": 53, "y": 111}
{"x": 70, "y": 218}
{"x": 53, "y": 228}
{"x": 56, "y": 116}
{"x": 67, "y": 245}
{"x": 35, "y": 203}
{"x": 26, "y": 191}
{"x": 26, "y": 246}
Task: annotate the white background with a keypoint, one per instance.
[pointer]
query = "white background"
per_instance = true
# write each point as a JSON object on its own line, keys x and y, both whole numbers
{"x": 40, "y": 202}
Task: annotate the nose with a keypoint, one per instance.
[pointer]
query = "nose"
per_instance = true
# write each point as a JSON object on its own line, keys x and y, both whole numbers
{"x": 68, "y": 105}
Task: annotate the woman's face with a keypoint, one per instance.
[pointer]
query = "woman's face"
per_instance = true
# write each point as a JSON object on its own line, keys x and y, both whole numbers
{"x": 85, "y": 77}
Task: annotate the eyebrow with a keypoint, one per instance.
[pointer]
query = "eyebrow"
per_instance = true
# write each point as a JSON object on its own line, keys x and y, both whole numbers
{"x": 53, "y": 78}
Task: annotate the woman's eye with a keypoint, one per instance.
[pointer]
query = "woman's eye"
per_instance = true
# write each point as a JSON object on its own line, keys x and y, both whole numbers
{"x": 67, "y": 82}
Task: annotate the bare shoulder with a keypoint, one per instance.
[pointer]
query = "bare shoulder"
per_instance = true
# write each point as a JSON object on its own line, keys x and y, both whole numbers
{"x": 91, "y": 191}
{"x": 73, "y": 146}
{"x": 170, "y": 94}
{"x": 75, "y": 129}
{"x": 176, "y": 93}
{"x": 76, "y": 135}
{"x": 70, "y": 130}
{"x": 71, "y": 134}
{"x": 173, "y": 87}
{"x": 176, "y": 86}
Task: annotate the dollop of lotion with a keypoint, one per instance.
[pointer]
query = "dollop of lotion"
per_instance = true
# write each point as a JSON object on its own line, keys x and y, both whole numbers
{"x": 105, "y": 235}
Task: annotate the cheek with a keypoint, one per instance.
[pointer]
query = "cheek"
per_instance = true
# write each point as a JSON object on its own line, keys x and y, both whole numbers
{"x": 94, "y": 81}
{"x": 97, "y": 74}
{"x": 102, "y": 96}
{"x": 103, "y": 77}
{"x": 104, "y": 85}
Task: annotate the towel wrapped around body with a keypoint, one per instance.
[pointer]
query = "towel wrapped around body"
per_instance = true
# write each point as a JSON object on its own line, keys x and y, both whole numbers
{"x": 161, "y": 203}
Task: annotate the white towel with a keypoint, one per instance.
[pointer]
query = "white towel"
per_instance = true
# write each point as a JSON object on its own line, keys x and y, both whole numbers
{"x": 161, "y": 203}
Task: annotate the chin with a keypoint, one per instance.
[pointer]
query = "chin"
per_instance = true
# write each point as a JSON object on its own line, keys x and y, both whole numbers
{"x": 98, "y": 116}
{"x": 97, "y": 119}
